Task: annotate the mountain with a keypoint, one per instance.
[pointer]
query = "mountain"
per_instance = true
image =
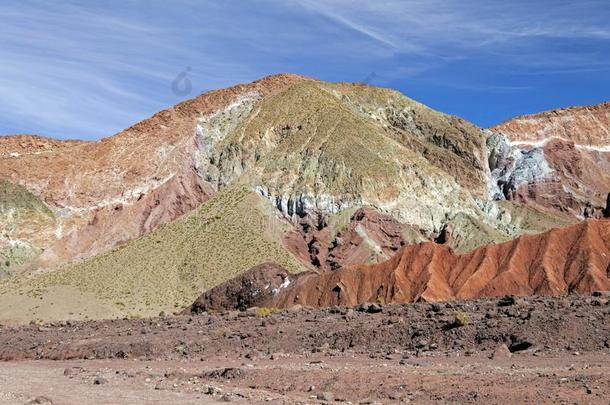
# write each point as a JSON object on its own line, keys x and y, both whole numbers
{"x": 567, "y": 260}
{"x": 312, "y": 175}
{"x": 575, "y": 143}
{"x": 586, "y": 126}
{"x": 111, "y": 191}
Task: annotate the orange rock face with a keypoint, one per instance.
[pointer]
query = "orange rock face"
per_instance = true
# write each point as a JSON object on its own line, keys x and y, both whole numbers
{"x": 584, "y": 125}
{"x": 573, "y": 259}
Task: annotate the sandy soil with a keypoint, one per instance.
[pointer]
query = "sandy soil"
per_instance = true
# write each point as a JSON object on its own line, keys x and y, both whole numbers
{"x": 295, "y": 379}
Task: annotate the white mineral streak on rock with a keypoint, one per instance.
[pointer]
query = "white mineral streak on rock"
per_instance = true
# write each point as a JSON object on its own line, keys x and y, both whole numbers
{"x": 429, "y": 212}
{"x": 285, "y": 283}
{"x": 367, "y": 239}
{"x": 59, "y": 230}
{"x": 127, "y": 197}
{"x": 543, "y": 142}
{"x": 301, "y": 204}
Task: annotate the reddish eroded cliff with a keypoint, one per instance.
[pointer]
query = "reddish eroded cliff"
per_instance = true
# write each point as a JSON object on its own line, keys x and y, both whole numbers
{"x": 566, "y": 260}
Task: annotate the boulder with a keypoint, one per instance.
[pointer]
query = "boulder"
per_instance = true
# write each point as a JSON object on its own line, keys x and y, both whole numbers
{"x": 250, "y": 289}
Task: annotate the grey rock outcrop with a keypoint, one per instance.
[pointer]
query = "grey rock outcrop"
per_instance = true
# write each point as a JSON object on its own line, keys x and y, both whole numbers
{"x": 512, "y": 166}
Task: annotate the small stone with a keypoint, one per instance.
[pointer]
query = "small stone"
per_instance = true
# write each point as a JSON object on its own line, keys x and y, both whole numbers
{"x": 501, "y": 353}
{"x": 393, "y": 356}
{"x": 334, "y": 310}
{"x": 99, "y": 380}
{"x": 491, "y": 323}
{"x": 70, "y": 371}
{"x": 506, "y": 301}
{"x": 421, "y": 343}
{"x": 519, "y": 344}
{"x": 277, "y": 356}
{"x": 374, "y": 309}
{"x": 395, "y": 396}
{"x": 40, "y": 400}
{"x": 253, "y": 355}
{"x": 326, "y": 396}
{"x": 295, "y": 308}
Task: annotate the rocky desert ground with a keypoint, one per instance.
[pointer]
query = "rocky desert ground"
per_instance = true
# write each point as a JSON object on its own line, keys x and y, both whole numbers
{"x": 528, "y": 349}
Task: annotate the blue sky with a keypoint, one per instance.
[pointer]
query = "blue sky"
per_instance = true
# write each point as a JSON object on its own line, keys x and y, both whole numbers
{"x": 77, "y": 69}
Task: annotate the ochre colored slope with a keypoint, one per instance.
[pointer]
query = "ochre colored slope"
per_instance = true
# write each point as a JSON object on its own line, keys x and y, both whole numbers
{"x": 585, "y": 125}
{"x": 572, "y": 259}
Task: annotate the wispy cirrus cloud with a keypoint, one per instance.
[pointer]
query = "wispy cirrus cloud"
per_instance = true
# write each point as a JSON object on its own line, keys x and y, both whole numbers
{"x": 87, "y": 70}
{"x": 70, "y": 70}
{"x": 445, "y": 27}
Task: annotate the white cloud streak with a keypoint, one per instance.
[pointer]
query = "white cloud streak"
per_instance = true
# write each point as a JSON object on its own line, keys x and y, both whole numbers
{"x": 438, "y": 27}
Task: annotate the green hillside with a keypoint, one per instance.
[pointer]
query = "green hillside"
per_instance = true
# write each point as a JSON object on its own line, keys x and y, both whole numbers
{"x": 24, "y": 220}
{"x": 166, "y": 269}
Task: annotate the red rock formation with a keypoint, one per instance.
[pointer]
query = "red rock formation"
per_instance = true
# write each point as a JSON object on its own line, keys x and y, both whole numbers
{"x": 580, "y": 177}
{"x": 584, "y": 125}
{"x": 573, "y": 259}
{"x": 576, "y": 144}
{"x": 119, "y": 223}
{"x": 369, "y": 237}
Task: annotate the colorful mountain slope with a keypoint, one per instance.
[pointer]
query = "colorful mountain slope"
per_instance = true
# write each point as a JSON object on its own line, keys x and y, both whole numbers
{"x": 164, "y": 270}
{"x": 566, "y": 260}
{"x": 352, "y": 172}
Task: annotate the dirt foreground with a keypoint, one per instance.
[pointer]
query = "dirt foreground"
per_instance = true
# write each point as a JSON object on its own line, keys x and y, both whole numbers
{"x": 520, "y": 350}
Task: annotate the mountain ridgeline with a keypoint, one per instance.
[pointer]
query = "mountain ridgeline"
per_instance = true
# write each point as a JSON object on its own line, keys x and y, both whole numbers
{"x": 311, "y": 175}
